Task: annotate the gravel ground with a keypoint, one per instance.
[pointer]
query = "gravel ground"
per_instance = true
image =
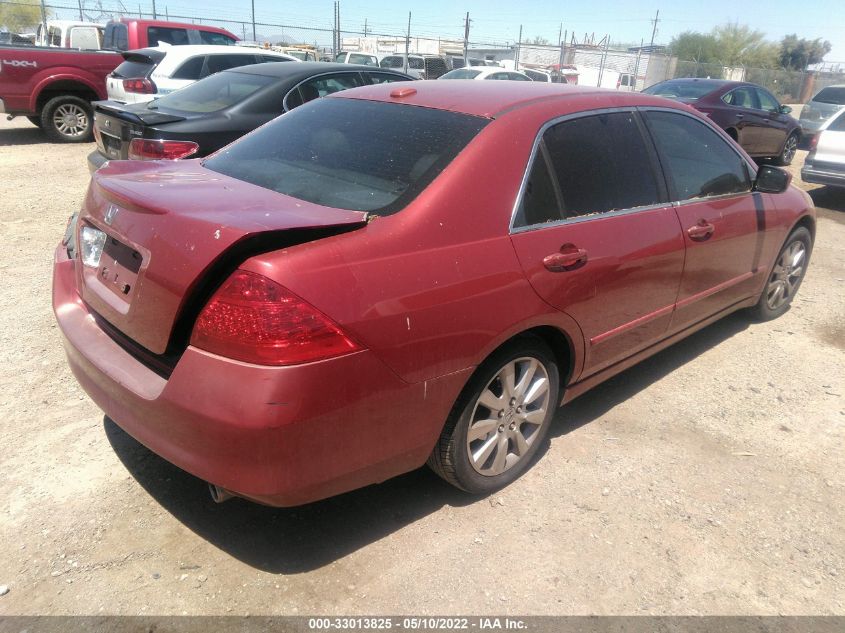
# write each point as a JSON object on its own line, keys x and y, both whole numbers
{"x": 706, "y": 480}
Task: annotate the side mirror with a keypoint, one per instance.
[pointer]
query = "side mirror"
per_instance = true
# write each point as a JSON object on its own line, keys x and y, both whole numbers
{"x": 785, "y": 109}
{"x": 772, "y": 180}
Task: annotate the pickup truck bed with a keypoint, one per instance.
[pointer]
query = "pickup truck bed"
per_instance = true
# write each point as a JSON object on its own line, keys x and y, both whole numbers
{"x": 54, "y": 87}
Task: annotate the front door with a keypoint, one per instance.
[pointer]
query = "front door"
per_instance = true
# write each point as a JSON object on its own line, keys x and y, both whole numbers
{"x": 596, "y": 237}
{"x": 720, "y": 218}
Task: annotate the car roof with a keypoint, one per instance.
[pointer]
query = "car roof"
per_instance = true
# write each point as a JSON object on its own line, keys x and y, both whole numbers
{"x": 493, "y": 98}
{"x": 306, "y": 69}
{"x": 187, "y": 50}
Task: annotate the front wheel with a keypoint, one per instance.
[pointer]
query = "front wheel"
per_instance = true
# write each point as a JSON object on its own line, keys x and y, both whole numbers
{"x": 789, "y": 148}
{"x": 68, "y": 119}
{"x": 501, "y": 418}
{"x": 786, "y": 276}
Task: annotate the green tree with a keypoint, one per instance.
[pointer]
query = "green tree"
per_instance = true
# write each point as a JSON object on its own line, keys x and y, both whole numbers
{"x": 740, "y": 46}
{"x": 695, "y": 47}
{"x": 797, "y": 54}
{"x": 20, "y": 16}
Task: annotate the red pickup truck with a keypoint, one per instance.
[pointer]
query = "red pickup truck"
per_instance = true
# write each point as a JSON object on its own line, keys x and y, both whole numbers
{"x": 54, "y": 87}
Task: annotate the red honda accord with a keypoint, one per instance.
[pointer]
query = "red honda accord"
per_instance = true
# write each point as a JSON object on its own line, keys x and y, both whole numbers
{"x": 411, "y": 273}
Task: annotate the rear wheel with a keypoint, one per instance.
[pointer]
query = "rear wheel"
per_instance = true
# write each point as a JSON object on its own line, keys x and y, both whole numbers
{"x": 500, "y": 420}
{"x": 789, "y": 148}
{"x": 67, "y": 119}
{"x": 786, "y": 276}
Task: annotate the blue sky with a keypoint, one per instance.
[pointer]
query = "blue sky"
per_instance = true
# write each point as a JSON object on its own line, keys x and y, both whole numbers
{"x": 499, "y": 20}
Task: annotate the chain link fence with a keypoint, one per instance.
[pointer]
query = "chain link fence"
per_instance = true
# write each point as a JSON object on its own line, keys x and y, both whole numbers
{"x": 594, "y": 65}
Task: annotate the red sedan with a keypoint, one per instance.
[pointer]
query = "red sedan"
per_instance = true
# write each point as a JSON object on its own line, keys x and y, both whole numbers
{"x": 411, "y": 273}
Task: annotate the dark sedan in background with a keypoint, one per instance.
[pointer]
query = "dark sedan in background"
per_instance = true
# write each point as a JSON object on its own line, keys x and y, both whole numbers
{"x": 211, "y": 113}
{"x": 750, "y": 114}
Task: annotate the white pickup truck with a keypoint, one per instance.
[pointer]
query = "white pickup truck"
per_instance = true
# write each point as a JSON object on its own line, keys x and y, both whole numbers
{"x": 69, "y": 34}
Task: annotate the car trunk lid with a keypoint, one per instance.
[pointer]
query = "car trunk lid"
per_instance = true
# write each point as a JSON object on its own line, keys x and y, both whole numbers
{"x": 116, "y": 124}
{"x": 169, "y": 226}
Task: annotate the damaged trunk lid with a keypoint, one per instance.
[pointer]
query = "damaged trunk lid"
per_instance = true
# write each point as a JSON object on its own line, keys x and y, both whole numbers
{"x": 172, "y": 232}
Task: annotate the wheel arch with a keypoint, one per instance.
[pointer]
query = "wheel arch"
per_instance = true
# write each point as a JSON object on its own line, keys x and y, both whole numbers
{"x": 64, "y": 87}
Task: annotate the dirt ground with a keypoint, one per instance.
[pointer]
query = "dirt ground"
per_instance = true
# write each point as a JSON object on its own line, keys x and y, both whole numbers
{"x": 706, "y": 480}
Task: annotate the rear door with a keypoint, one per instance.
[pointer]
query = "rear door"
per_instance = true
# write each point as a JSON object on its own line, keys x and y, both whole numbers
{"x": 596, "y": 236}
{"x": 721, "y": 219}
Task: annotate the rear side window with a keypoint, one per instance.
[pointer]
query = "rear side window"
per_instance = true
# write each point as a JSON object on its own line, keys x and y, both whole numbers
{"x": 462, "y": 73}
{"x": 116, "y": 37}
{"x": 518, "y": 77}
{"x": 350, "y": 154}
{"x": 698, "y": 162}
{"x": 540, "y": 201}
{"x": 392, "y": 62}
{"x": 601, "y": 163}
{"x": 831, "y": 94}
{"x": 84, "y": 37}
{"x": 191, "y": 69}
{"x": 838, "y": 124}
{"x": 213, "y": 93}
{"x": 159, "y": 34}
{"x": 384, "y": 78}
{"x": 320, "y": 87}
{"x": 216, "y": 39}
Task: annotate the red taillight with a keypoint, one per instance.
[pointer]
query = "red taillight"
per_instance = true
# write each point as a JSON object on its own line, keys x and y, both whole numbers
{"x": 254, "y": 319}
{"x": 157, "y": 149}
{"x": 140, "y": 86}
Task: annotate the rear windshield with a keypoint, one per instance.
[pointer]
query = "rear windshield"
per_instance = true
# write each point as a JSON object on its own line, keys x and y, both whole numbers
{"x": 462, "y": 73}
{"x": 682, "y": 89}
{"x": 350, "y": 154}
{"x": 213, "y": 93}
{"x": 131, "y": 69}
{"x": 832, "y": 94}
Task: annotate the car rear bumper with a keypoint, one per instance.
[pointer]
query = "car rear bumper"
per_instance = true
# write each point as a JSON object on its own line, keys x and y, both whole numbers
{"x": 826, "y": 176}
{"x": 277, "y": 435}
{"x": 96, "y": 160}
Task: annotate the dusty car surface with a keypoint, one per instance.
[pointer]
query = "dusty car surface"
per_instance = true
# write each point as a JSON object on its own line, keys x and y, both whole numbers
{"x": 338, "y": 298}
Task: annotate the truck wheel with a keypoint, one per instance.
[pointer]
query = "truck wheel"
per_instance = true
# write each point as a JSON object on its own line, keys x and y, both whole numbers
{"x": 67, "y": 119}
{"x": 36, "y": 121}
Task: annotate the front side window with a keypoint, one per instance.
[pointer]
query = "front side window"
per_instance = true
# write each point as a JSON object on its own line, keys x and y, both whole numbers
{"x": 216, "y": 39}
{"x": 698, "y": 162}
{"x": 462, "y": 73}
{"x": 158, "y": 34}
{"x": 601, "y": 164}
{"x": 767, "y": 101}
{"x": 518, "y": 77}
{"x": 392, "y": 62}
{"x": 350, "y": 154}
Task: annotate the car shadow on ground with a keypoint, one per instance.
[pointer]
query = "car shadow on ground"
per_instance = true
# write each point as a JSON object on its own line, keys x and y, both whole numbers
{"x": 296, "y": 540}
{"x": 22, "y": 136}
{"x": 832, "y": 198}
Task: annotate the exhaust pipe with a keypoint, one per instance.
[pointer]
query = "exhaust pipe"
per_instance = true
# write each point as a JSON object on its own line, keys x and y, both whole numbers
{"x": 218, "y": 494}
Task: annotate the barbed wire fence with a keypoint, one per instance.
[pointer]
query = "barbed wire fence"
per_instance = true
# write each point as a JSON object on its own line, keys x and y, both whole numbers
{"x": 598, "y": 63}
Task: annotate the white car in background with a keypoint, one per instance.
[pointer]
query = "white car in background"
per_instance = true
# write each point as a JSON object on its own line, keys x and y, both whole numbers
{"x": 486, "y": 72}
{"x": 148, "y": 73}
{"x": 825, "y": 164}
{"x": 356, "y": 58}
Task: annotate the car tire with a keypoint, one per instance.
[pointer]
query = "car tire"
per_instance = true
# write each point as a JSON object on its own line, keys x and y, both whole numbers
{"x": 785, "y": 276}
{"x": 68, "y": 119}
{"x": 494, "y": 430}
{"x": 788, "y": 152}
{"x": 36, "y": 121}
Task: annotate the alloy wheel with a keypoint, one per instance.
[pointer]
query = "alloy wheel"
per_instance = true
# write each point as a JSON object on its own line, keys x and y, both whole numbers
{"x": 786, "y": 275}
{"x": 789, "y": 149}
{"x": 71, "y": 120}
{"x": 507, "y": 416}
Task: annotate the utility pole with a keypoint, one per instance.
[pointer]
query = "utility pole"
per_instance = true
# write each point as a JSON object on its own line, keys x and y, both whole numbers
{"x": 339, "y": 36}
{"x": 518, "y": 50}
{"x": 654, "y": 30}
{"x": 253, "y": 21}
{"x": 44, "y": 23}
{"x": 407, "y": 44}
{"x": 81, "y": 18}
{"x": 365, "y": 27}
{"x": 562, "y": 41}
{"x": 155, "y": 15}
{"x": 466, "y": 39}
